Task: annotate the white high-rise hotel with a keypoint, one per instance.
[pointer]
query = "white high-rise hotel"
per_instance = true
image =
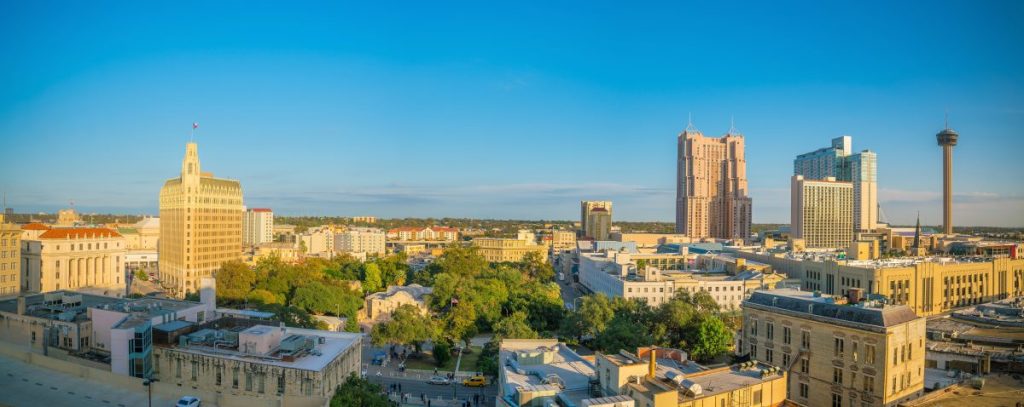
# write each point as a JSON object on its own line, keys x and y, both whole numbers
{"x": 257, "y": 226}
{"x": 860, "y": 169}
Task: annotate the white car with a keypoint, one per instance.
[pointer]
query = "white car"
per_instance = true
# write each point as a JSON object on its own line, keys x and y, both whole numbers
{"x": 188, "y": 401}
{"x": 438, "y": 380}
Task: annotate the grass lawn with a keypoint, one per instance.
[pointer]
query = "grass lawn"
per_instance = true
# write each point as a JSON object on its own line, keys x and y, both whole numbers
{"x": 469, "y": 361}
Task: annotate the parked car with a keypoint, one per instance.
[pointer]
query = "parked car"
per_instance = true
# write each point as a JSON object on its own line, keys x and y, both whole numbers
{"x": 438, "y": 380}
{"x": 188, "y": 401}
{"x": 475, "y": 381}
{"x": 378, "y": 359}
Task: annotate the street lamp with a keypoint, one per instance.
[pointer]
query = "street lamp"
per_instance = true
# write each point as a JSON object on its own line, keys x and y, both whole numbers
{"x": 148, "y": 382}
{"x": 574, "y": 306}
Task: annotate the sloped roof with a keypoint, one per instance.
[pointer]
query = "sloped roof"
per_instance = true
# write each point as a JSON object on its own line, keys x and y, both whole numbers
{"x": 804, "y": 302}
{"x": 75, "y": 233}
{"x": 35, "y": 226}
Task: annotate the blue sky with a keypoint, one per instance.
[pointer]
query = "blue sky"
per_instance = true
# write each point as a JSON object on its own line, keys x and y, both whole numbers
{"x": 515, "y": 110}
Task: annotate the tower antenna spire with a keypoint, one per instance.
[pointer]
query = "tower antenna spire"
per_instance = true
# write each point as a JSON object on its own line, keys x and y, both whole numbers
{"x": 732, "y": 125}
{"x": 689, "y": 124}
{"x": 947, "y": 118}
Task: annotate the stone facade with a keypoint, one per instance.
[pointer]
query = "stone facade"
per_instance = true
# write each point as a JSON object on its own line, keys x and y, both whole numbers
{"x": 74, "y": 258}
{"x": 10, "y": 244}
{"x": 201, "y": 225}
{"x": 836, "y": 354}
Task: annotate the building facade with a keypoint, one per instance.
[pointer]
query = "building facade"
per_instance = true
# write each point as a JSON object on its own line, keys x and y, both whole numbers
{"x": 599, "y": 224}
{"x": 74, "y": 258}
{"x": 257, "y": 226}
{"x": 379, "y": 306}
{"x": 10, "y": 270}
{"x": 499, "y": 250}
{"x": 711, "y": 186}
{"x": 200, "y": 224}
{"x": 861, "y": 170}
{"x": 929, "y": 286}
{"x": 587, "y": 223}
{"x": 821, "y": 212}
{"x": 836, "y": 353}
{"x": 318, "y": 242}
{"x": 370, "y": 241}
{"x": 412, "y": 233}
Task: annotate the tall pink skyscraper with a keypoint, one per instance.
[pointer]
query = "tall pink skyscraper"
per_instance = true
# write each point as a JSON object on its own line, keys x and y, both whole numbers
{"x": 711, "y": 186}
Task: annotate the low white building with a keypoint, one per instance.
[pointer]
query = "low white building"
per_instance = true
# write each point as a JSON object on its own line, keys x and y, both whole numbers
{"x": 380, "y": 305}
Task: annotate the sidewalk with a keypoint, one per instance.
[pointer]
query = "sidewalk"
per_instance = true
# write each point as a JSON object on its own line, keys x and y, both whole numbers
{"x": 434, "y": 402}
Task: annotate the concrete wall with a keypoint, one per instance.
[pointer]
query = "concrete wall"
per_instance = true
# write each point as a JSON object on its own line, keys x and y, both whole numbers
{"x": 168, "y": 390}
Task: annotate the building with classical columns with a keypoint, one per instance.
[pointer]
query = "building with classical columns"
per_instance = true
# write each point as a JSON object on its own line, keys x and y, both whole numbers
{"x": 73, "y": 259}
{"x": 200, "y": 224}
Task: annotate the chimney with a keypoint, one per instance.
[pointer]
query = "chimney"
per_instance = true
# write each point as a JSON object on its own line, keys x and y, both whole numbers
{"x": 21, "y": 305}
{"x": 653, "y": 365}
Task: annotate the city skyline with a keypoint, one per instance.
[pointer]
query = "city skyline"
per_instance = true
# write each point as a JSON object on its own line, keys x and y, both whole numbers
{"x": 338, "y": 116}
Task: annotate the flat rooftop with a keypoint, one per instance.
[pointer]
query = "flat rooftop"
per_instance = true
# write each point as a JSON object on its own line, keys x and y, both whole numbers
{"x": 334, "y": 344}
{"x": 727, "y": 379}
{"x": 569, "y": 368}
{"x": 806, "y": 303}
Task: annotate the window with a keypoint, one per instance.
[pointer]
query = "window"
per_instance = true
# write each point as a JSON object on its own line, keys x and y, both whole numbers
{"x": 785, "y": 335}
{"x": 854, "y": 351}
{"x": 753, "y": 327}
{"x": 219, "y": 376}
{"x": 768, "y": 355}
{"x": 195, "y": 370}
{"x": 805, "y": 339}
{"x": 785, "y": 360}
{"x": 837, "y": 375}
{"x": 837, "y": 349}
{"x": 262, "y": 379}
{"x": 234, "y": 377}
{"x": 803, "y": 390}
{"x": 280, "y": 384}
{"x": 869, "y": 354}
{"x": 837, "y": 400}
{"x": 805, "y": 365}
{"x": 770, "y": 328}
{"x": 753, "y": 351}
{"x": 177, "y": 368}
{"x": 757, "y": 397}
{"x": 248, "y": 381}
{"x": 869, "y": 383}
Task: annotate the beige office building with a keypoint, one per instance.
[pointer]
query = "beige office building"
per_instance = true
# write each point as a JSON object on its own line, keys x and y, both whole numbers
{"x": 10, "y": 244}
{"x": 711, "y": 186}
{"x": 929, "y": 286}
{"x": 498, "y": 250}
{"x": 599, "y": 224}
{"x": 587, "y": 221}
{"x": 73, "y": 259}
{"x": 821, "y": 212}
{"x": 201, "y": 224}
{"x": 257, "y": 226}
{"x": 836, "y": 353}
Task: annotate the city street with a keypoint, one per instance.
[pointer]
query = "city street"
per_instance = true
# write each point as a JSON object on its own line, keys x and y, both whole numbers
{"x": 414, "y": 382}
{"x": 29, "y": 385}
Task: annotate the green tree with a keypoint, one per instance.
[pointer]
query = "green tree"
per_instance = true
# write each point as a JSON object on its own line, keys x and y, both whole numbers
{"x": 408, "y": 326}
{"x": 260, "y": 296}
{"x": 234, "y": 281}
{"x": 590, "y": 319}
{"x": 356, "y": 391}
{"x": 514, "y": 327}
{"x": 460, "y": 261}
{"x": 488, "y": 362}
{"x": 711, "y": 340}
{"x": 141, "y": 275}
{"x": 442, "y": 353}
{"x": 535, "y": 266}
{"x": 623, "y": 333}
{"x": 460, "y": 322}
{"x": 372, "y": 281}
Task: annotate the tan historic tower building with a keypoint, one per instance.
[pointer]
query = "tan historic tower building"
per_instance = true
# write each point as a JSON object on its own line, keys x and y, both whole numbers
{"x": 200, "y": 224}
{"x": 711, "y": 186}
